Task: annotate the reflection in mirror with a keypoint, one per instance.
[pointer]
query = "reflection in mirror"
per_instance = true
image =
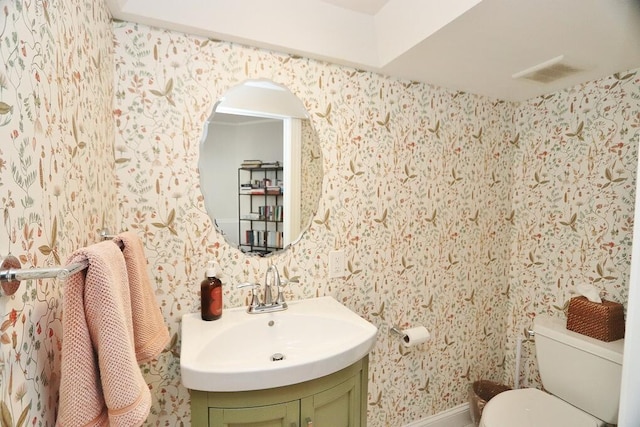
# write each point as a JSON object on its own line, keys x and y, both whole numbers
{"x": 260, "y": 167}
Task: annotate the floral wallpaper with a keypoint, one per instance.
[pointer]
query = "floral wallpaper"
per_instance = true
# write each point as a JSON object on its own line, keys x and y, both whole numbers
{"x": 404, "y": 195}
{"x": 57, "y": 180}
{"x": 465, "y": 214}
{"x": 575, "y": 159}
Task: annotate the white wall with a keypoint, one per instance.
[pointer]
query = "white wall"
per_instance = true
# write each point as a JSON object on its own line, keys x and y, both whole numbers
{"x": 630, "y": 392}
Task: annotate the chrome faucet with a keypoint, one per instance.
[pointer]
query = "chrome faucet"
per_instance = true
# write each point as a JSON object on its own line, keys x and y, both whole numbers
{"x": 271, "y": 277}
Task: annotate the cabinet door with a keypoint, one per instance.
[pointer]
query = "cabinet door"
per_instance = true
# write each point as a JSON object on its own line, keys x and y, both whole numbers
{"x": 336, "y": 407}
{"x": 281, "y": 415}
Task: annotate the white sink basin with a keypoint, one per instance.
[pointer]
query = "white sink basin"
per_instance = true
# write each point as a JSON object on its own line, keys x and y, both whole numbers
{"x": 315, "y": 337}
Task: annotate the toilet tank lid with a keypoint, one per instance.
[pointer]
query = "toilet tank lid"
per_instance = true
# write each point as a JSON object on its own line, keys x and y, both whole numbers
{"x": 556, "y": 329}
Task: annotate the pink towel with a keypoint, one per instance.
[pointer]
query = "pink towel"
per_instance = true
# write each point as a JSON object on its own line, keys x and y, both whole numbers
{"x": 149, "y": 330}
{"x": 101, "y": 383}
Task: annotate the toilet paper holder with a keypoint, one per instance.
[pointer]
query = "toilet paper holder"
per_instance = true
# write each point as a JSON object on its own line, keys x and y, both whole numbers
{"x": 395, "y": 330}
{"x": 412, "y": 336}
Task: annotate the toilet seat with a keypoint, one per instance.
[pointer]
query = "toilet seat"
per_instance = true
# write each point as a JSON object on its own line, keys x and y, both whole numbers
{"x": 530, "y": 407}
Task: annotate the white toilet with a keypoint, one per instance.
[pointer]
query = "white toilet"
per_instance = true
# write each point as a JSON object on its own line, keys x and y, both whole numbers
{"x": 581, "y": 373}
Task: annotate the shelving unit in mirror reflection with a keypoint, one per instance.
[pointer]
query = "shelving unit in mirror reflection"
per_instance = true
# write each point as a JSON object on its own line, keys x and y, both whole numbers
{"x": 260, "y": 209}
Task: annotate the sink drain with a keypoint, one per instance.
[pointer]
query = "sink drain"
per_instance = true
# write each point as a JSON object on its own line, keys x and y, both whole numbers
{"x": 277, "y": 357}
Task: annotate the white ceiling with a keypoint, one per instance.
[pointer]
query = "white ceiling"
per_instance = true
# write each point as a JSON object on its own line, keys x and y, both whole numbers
{"x": 469, "y": 45}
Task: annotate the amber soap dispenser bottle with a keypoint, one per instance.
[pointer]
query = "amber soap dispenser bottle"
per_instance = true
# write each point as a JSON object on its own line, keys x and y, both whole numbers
{"x": 211, "y": 294}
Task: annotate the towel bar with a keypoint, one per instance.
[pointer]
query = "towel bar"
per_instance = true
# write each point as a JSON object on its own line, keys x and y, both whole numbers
{"x": 11, "y": 274}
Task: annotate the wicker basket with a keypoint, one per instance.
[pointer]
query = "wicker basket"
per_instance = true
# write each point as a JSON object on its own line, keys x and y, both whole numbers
{"x": 603, "y": 321}
{"x": 480, "y": 392}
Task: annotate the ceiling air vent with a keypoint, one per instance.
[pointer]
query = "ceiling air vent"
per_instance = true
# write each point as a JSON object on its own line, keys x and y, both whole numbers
{"x": 548, "y": 71}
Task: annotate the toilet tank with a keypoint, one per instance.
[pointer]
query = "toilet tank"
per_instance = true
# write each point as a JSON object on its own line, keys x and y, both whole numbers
{"x": 580, "y": 370}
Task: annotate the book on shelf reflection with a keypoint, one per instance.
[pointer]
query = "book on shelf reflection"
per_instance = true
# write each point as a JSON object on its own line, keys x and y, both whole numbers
{"x": 272, "y": 239}
{"x": 260, "y": 164}
{"x": 251, "y": 163}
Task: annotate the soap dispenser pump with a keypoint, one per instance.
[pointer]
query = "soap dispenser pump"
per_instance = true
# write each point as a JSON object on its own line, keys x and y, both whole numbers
{"x": 211, "y": 294}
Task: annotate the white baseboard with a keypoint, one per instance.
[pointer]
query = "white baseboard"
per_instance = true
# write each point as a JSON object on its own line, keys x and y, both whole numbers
{"x": 454, "y": 417}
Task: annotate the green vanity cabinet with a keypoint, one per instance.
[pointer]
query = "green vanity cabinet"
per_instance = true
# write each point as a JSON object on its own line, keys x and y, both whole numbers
{"x": 338, "y": 406}
{"x": 336, "y": 400}
{"x": 280, "y": 415}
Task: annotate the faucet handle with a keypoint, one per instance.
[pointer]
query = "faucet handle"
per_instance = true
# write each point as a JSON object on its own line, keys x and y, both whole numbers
{"x": 248, "y": 285}
{"x": 255, "y": 300}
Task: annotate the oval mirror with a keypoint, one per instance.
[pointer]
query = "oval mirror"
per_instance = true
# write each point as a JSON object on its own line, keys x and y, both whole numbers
{"x": 260, "y": 167}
